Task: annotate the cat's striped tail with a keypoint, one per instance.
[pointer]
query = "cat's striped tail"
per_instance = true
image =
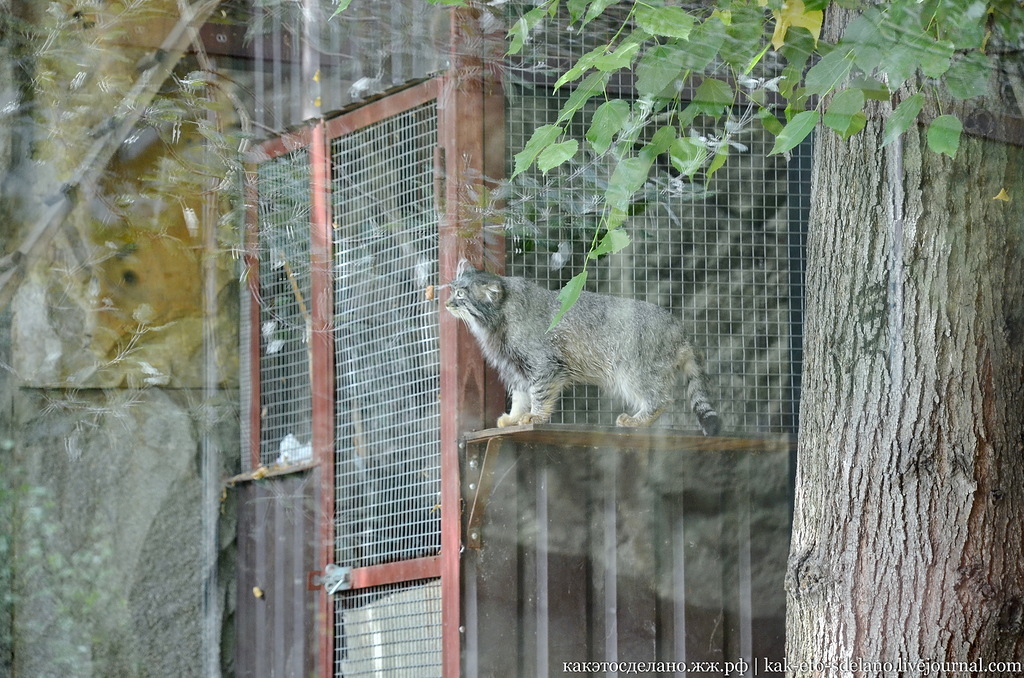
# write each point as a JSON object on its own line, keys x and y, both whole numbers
{"x": 696, "y": 391}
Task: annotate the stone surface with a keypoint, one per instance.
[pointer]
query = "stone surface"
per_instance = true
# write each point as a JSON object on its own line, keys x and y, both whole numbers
{"x": 107, "y": 535}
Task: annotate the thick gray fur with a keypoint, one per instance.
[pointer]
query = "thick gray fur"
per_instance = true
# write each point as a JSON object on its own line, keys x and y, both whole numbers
{"x": 631, "y": 348}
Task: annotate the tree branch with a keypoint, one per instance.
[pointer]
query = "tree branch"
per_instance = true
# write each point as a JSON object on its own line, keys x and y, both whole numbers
{"x": 82, "y": 184}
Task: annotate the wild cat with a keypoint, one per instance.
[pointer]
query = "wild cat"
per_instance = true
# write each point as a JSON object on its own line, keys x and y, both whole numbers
{"x": 631, "y": 348}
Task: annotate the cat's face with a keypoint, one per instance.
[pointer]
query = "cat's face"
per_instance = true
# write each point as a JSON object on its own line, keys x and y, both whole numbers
{"x": 475, "y": 296}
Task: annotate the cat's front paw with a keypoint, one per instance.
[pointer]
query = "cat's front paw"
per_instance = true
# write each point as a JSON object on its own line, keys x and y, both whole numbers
{"x": 508, "y": 419}
{"x": 523, "y": 419}
{"x": 533, "y": 419}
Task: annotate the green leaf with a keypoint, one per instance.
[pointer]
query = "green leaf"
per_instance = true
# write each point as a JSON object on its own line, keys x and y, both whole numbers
{"x": 718, "y": 161}
{"x": 614, "y": 218}
{"x": 342, "y": 6}
{"x": 968, "y": 77}
{"x": 705, "y": 41}
{"x": 944, "y": 134}
{"x": 935, "y": 56}
{"x": 901, "y": 118}
{"x": 520, "y": 31}
{"x": 542, "y": 137}
{"x": 899, "y": 65}
{"x": 970, "y": 21}
{"x": 606, "y": 122}
{"x": 756, "y": 60}
{"x": 576, "y": 9}
{"x": 661, "y": 141}
{"x": 568, "y": 296}
{"x": 582, "y": 65}
{"x": 769, "y": 121}
{"x": 629, "y": 176}
{"x": 591, "y": 85}
{"x": 624, "y": 55}
{"x": 826, "y": 75}
{"x": 795, "y": 131}
{"x": 857, "y": 123}
{"x": 555, "y": 154}
{"x": 596, "y": 9}
{"x": 613, "y": 241}
{"x": 744, "y": 35}
{"x": 688, "y": 115}
{"x": 796, "y": 53}
{"x": 658, "y": 68}
{"x": 671, "y": 22}
{"x": 713, "y": 97}
{"x": 866, "y": 41}
{"x": 687, "y": 156}
{"x": 872, "y": 88}
{"x": 845, "y": 114}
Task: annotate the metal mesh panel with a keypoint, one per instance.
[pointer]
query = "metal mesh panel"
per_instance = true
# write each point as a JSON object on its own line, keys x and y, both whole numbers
{"x": 283, "y": 240}
{"x": 725, "y": 254}
{"x": 388, "y": 419}
{"x": 392, "y": 630}
{"x": 371, "y": 47}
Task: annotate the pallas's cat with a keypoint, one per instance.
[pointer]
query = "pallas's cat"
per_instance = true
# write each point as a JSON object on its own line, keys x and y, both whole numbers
{"x": 633, "y": 349}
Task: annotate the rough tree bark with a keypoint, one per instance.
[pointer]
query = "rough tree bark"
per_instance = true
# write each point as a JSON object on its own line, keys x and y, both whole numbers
{"x": 907, "y": 538}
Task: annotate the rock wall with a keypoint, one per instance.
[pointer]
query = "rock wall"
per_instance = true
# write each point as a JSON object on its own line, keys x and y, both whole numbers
{"x": 107, "y": 542}
{"x": 118, "y": 402}
{"x": 107, "y": 466}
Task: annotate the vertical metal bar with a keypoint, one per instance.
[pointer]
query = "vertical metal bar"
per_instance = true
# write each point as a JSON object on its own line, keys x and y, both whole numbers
{"x": 679, "y": 586}
{"x": 259, "y": 58}
{"x": 261, "y": 528}
{"x": 278, "y": 600}
{"x": 252, "y": 269}
{"x": 322, "y": 378}
{"x": 471, "y": 620}
{"x": 310, "y": 81}
{"x": 297, "y": 106}
{"x": 276, "y": 40}
{"x": 210, "y": 450}
{"x": 610, "y": 558}
{"x": 542, "y": 554}
{"x": 745, "y": 573}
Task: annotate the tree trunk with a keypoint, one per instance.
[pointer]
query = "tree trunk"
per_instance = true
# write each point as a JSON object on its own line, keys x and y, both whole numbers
{"x": 907, "y": 538}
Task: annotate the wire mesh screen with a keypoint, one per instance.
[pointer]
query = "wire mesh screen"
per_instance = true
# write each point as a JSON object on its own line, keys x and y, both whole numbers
{"x": 283, "y": 240}
{"x": 387, "y": 354}
{"x": 392, "y": 630}
{"x": 308, "y": 60}
{"x": 723, "y": 253}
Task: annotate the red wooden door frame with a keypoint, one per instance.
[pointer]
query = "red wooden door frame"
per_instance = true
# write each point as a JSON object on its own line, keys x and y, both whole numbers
{"x": 470, "y": 156}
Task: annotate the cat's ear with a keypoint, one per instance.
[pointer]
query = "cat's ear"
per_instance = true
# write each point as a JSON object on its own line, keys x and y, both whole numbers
{"x": 494, "y": 292}
{"x": 463, "y": 266}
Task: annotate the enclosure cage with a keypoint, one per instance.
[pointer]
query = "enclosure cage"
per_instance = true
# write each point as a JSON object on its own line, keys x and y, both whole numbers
{"x": 383, "y": 530}
{"x": 344, "y": 355}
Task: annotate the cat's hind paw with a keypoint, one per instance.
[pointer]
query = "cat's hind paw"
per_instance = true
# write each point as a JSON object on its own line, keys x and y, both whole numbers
{"x": 634, "y": 421}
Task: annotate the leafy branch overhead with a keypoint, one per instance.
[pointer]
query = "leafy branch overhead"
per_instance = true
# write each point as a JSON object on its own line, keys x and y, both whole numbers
{"x": 710, "y": 64}
{"x": 936, "y": 48}
{"x": 725, "y": 64}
